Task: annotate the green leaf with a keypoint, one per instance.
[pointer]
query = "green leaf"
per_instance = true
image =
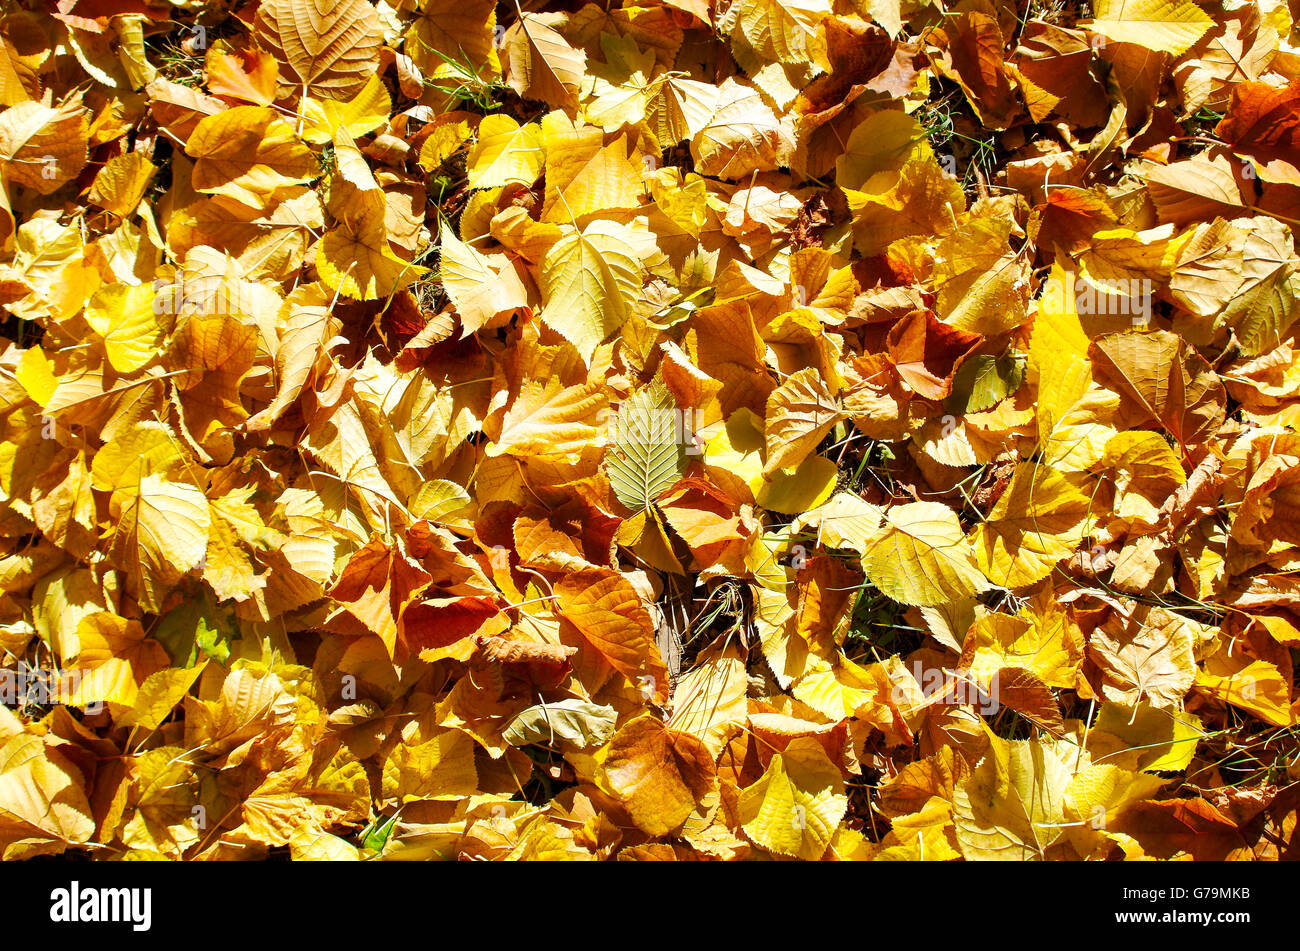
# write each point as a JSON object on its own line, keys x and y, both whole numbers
{"x": 984, "y": 380}
{"x": 199, "y": 624}
{"x": 375, "y": 837}
{"x": 647, "y": 454}
{"x": 583, "y": 724}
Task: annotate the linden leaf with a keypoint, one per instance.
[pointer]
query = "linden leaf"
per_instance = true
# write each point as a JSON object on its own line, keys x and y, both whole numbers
{"x": 576, "y": 722}
{"x": 248, "y": 152}
{"x": 329, "y": 48}
{"x": 1040, "y": 519}
{"x": 920, "y": 556}
{"x": 588, "y": 282}
{"x": 608, "y": 613}
{"x": 160, "y": 534}
{"x": 540, "y": 63}
{"x": 1012, "y": 806}
{"x": 1058, "y": 354}
{"x": 447, "y": 32}
{"x": 1171, "y": 386}
{"x": 795, "y": 806}
{"x": 126, "y": 319}
{"x": 43, "y": 147}
{"x": 43, "y": 806}
{"x": 481, "y": 286}
{"x": 113, "y": 662}
{"x": 121, "y": 183}
{"x": 359, "y": 116}
{"x": 657, "y": 773}
{"x": 550, "y": 420}
{"x": 744, "y": 135}
{"x": 799, "y": 413}
{"x": 783, "y": 30}
{"x": 248, "y": 74}
{"x": 359, "y": 262}
{"x": 505, "y": 152}
{"x": 1146, "y": 656}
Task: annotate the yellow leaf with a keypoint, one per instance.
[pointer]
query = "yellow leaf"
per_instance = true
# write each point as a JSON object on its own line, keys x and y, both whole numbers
{"x": 377, "y": 586}
{"x": 540, "y": 63}
{"x": 1012, "y": 806}
{"x": 505, "y": 152}
{"x": 878, "y": 148}
{"x": 799, "y": 413}
{"x": 782, "y": 30}
{"x": 160, "y": 533}
{"x": 1147, "y": 655}
{"x": 920, "y": 556}
{"x": 361, "y": 115}
{"x": 1144, "y": 737}
{"x": 236, "y": 529}
{"x": 1052, "y": 653}
{"x": 161, "y": 795}
{"x": 1058, "y": 353}
{"x": 247, "y": 152}
{"x": 1258, "y": 686}
{"x": 480, "y": 285}
{"x": 585, "y": 176}
{"x": 622, "y": 85}
{"x": 1166, "y": 26}
{"x": 121, "y": 183}
{"x": 355, "y": 258}
{"x": 319, "y": 791}
{"x": 657, "y": 773}
{"x": 126, "y": 319}
{"x": 445, "y": 139}
{"x": 43, "y": 806}
{"x": 1040, "y": 519}
{"x": 1096, "y": 795}
{"x": 795, "y": 806}
{"x": 710, "y": 698}
{"x": 806, "y": 487}
{"x": 1164, "y": 378}
{"x": 438, "y": 499}
{"x": 36, "y": 375}
{"x": 683, "y": 108}
{"x": 43, "y": 147}
{"x": 744, "y": 135}
{"x": 608, "y": 613}
{"x": 327, "y": 47}
{"x": 1145, "y": 472}
{"x": 114, "y": 659}
{"x": 148, "y": 447}
{"x": 158, "y": 696}
{"x": 248, "y": 74}
{"x": 550, "y": 420}
{"x": 312, "y": 845}
{"x": 440, "y": 767}
{"x": 456, "y": 30}
{"x": 846, "y": 521}
{"x": 589, "y": 282}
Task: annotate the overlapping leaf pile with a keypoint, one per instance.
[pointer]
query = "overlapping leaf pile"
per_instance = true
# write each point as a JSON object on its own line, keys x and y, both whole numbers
{"x": 785, "y": 428}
